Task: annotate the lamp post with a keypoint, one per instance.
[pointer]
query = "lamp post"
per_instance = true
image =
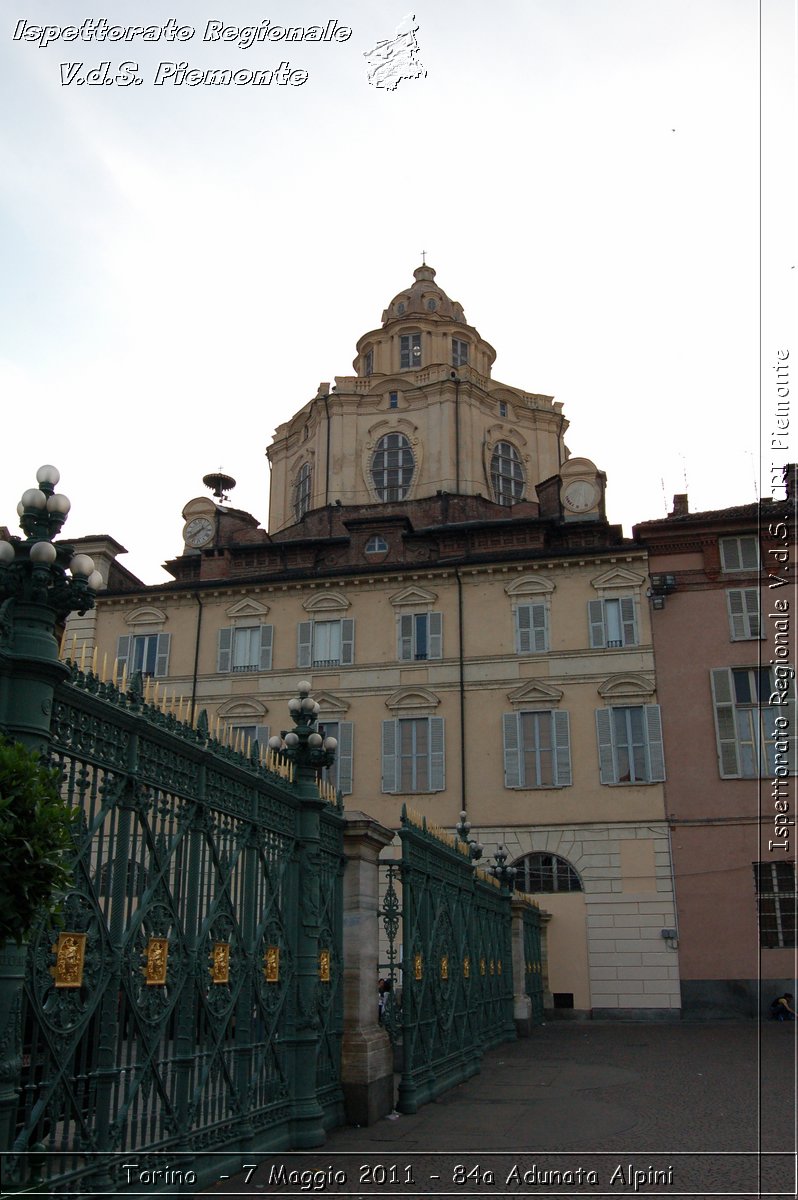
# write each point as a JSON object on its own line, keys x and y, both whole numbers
{"x": 462, "y": 830}
{"x": 504, "y": 874}
{"x": 41, "y": 582}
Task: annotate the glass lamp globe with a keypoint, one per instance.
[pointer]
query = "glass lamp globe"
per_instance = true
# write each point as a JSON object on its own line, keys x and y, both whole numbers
{"x": 33, "y": 498}
{"x": 304, "y": 685}
{"x": 291, "y": 739}
{"x": 43, "y": 552}
{"x": 48, "y": 474}
{"x": 6, "y": 552}
{"x": 330, "y": 743}
{"x": 81, "y": 564}
{"x": 58, "y": 503}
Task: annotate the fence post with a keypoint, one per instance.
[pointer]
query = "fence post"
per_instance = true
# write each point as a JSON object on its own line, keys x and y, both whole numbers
{"x": 367, "y": 1054}
{"x": 522, "y": 1003}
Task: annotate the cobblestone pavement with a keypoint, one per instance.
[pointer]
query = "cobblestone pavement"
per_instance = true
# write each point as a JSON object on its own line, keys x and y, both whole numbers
{"x": 586, "y": 1109}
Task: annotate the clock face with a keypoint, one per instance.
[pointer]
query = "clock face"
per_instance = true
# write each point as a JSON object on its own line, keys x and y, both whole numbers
{"x": 198, "y": 532}
{"x": 580, "y": 495}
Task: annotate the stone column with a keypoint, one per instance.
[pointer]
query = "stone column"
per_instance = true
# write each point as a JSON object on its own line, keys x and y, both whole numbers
{"x": 367, "y": 1054}
{"x": 522, "y": 1005}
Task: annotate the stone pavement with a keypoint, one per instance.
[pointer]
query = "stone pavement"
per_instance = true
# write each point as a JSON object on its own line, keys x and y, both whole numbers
{"x": 583, "y": 1109}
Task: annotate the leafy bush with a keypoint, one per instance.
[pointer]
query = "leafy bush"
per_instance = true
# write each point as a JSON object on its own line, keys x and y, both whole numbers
{"x": 35, "y": 826}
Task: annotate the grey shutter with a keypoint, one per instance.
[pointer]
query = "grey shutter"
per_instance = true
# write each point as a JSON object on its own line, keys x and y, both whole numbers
{"x": 656, "y": 754}
{"x": 523, "y": 625}
{"x": 725, "y": 725}
{"x": 344, "y": 756}
{"x": 266, "y": 640}
{"x": 389, "y": 736}
{"x": 224, "y": 649}
{"x": 512, "y": 757}
{"x": 262, "y": 737}
{"x": 539, "y": 638}
{"x": 595, "y": 615}
{"x": 628, "y": 622}
{"x": 162, "y": 654}
{"x": 435, "y": 640}
{"x": 604, "y": 735}
{"x": 123, "y": 648}
{"x": 562, "y": 749}
{"x": 743, "y": 613}
{"x": 436, "y": 755}
{"x": 347, "y": 642}
{"x": 405, "y": 636}
{"x": 304, "y": 643}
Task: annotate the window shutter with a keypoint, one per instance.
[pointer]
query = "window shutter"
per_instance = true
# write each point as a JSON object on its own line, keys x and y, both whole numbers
{"x": 628, "y": 622}
{"x": 523, "y": 625}
{"x": 224, "y": 648}
{"x": 656, "y": 754}
{"x": 404, "y": 626}
{"x": 389, "y": 736}
{"x": 595, "y": 615}
{"x": 436, "y": 755}
{"x": 562, "y": 749}
{"x": 347, "y": 642}
{"x": 122, "y": 654}
{"x": 266, "y": 640}
{"x": 162, "y": 654}
{"x": 262, "y": 738}
{"x": 604, "y": 733}
{"x": 512, "y": 757}
{"x": 538, "y": 637}
{"x": 725, "y": 727}
{"x": 304, "y": 643}
{"x": 743, "y": 613}
{"x": 435, "y": 648}
{"x": 344, "y": 756}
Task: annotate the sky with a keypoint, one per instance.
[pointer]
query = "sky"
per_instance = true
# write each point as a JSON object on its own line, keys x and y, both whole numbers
{"x": 607, "y": 186}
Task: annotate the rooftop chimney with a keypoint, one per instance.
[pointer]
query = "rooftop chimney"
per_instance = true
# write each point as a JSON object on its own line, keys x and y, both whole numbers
{"x": 680, "y": 507}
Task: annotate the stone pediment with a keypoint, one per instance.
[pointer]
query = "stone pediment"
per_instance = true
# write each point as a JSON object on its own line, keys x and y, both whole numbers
{"x": 251, "y": 710}
{"x": 330, "y": 705}
{"x": 627, "y": 687}
{"x": 412, "y": 699}
{"x": 536, "y": 692}
{"x": 325, "y": 602}
{"x": 247, "y": 607}
{"x": 146, "y": 615}
{"x": 620, "y": 578}
{"x": 413, "y": 595}
{"x": 530, "y": 585}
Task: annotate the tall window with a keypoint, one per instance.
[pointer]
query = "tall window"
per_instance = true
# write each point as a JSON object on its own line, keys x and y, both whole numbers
{"x": 531, "y": 628}
{"x": 410, "y": 350}
{"x": 368, "y": 362}
{"x": 459, "y": 352}
{"x": 630, "y": 744}
{"x": 302, "y": 491}
{"x": 739, "y": 553}
{"x": 413, "y": 755}
{"x": 392, "y": 467}
{"x": 420, "y": 636}
{"x": 775, "y": 902}
{"x": 753, "y": 736}
{"x": 245, "y": 648}
{"x": 545, "y": 873}
{"x": 537, "y": 749}
{"x": 743, "y": 606}
{"x": 340, "y": 773}
{"x": 147, "y": 652}
{"x": 506, "y": 474}
{"x": 247, "y": 735}
{"x": 326, "y": 643}
{"x": 613, "y": 623}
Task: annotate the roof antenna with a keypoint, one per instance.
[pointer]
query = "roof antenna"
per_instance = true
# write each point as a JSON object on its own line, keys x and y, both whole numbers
{"x": 219, "y": 484}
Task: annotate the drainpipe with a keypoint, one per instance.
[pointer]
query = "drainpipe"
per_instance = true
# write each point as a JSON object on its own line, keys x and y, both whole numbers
{"x": 461, "y": 655}
{"x": 196, "y": 656}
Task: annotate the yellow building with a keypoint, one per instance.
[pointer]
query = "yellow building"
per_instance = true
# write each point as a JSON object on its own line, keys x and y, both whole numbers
{"x": 477, "y": 635}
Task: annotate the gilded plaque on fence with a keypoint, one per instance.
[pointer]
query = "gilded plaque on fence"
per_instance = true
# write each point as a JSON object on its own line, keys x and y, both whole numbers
{"x": 482, "y": 966}
{"x": 466, "y": 968}
{"x": 271, "y": 964}
{"x": 418, "y": 970}
{"x": 324, "y": 966}
{"x": 499, "y": 966}
{"x": 444, "y": 966}
{"x": 157, "y": 954}
{"x": 69, "y": 951}
{"x": 220, "y": 962}
{"x": 492, "y": 966}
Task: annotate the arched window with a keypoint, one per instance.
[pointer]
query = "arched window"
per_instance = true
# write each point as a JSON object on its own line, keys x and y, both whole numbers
{"x": 506, "y": 474}
{"x": 546, "y": 873}
{"x": 392, "y": 467}
{"x": 376, "y": 545}
{"x": 302, "y": 491}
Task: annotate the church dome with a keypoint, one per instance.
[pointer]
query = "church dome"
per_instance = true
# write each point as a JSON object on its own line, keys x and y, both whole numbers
{"x": 424, "y": 298}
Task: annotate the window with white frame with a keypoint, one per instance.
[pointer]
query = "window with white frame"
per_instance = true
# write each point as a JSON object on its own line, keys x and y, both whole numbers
{"x": 419, "y": 636}
{"x": 245, "y": 648}
{"x": 302, "y": 491}
{"x": 145, "y": 652}
{"x": 532, "y": 627}
{"x": 323, "y": 644}
{"x": 775, "y": 902}
{"x": 754, "y": 737}
{"x": 376, "y": 545}
{"x": 739, "y": 553}
{"x": 340, "y": 773}
{"x": 630, "y": 744}
{"x": 413, "y": 755}
{"x": 410, "y": 350}
{"x": 537, "y": 749}
{"x": 540, "y": 872}
{"x": 743, "y": 608}
{"x": 506, "y": 474}
{"x": 392, "y": 467}
{"x": 613, "y": 622}
{"x": 459, "y": 352}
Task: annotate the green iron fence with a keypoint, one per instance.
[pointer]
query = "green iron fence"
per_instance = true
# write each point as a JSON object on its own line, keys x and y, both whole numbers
{"x": 190, "y": 998}
{"x": 533, "y": 965}
{"x": 453, "y": 997}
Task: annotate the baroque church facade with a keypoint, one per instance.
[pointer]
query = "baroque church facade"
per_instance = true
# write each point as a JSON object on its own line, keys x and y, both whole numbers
{"x": 477, "y": 634}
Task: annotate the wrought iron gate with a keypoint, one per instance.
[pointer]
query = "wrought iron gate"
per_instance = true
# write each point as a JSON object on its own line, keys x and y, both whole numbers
{"x": 190, "y": 999}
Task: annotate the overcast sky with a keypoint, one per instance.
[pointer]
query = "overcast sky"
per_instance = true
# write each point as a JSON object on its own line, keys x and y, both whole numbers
{"x": 181, "y": 266}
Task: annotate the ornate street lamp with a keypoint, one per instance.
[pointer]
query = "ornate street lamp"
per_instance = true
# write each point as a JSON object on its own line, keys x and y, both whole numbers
{"x": 462, "y": 830}
{"x": 304, "y": 744}
{"x": 504, "y": 874}
{"x": 41, "y": 582}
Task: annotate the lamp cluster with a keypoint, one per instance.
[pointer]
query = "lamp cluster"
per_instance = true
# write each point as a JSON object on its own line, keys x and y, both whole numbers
{"x": 504, "y": 874}
{"x": 304, "y": 744}
{"x": 463, "y": 829}
{"x": 35, "y": 570}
